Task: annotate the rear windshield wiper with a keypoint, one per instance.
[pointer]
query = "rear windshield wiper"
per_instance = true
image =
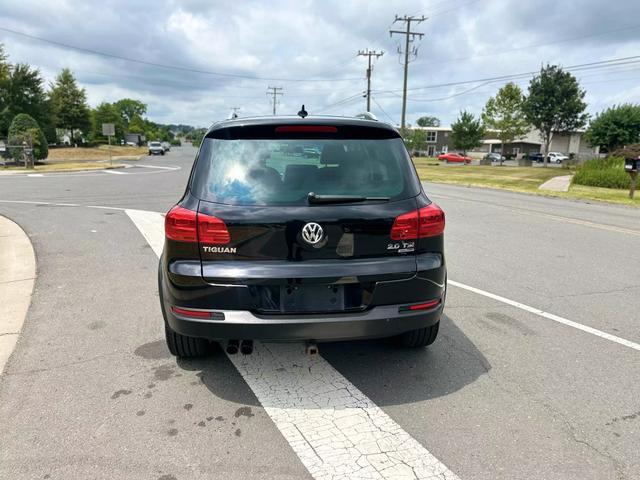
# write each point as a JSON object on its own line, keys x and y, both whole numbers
{"x": 313, "y": 198}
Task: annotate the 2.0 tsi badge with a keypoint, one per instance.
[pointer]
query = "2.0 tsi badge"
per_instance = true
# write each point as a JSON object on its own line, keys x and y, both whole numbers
{"x": 312, "y": 233}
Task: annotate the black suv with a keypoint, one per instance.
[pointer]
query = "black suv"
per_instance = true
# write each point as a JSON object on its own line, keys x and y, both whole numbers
{"x": 270, "y": 244}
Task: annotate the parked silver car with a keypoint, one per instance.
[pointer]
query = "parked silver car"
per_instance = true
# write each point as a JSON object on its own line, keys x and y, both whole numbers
{"x": 155, "y": 148}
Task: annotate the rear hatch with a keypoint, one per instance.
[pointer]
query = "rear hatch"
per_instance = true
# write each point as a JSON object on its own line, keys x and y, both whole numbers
{"x": 303, "y": 214}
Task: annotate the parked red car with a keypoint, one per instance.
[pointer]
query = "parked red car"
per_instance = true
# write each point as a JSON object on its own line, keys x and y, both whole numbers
{"x": 454, "y": 158}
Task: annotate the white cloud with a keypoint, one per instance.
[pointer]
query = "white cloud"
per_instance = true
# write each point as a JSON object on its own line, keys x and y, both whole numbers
{"x": 306, "y": 39}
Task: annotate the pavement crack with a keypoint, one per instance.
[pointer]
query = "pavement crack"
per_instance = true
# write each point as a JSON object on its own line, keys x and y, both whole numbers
{"x": 308, "y": 443}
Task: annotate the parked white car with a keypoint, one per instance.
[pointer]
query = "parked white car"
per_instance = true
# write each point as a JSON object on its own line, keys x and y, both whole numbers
{"x": 557, "y": 157}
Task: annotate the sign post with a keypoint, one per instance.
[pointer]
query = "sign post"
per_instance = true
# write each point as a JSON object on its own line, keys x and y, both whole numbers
{"x": 631, "y": 166}
{"x": 109, "y": 129}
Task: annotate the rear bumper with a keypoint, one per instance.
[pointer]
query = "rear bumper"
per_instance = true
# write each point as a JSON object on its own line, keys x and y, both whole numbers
{"x": 384, "y": 321}
{"x": 405, "y": 281}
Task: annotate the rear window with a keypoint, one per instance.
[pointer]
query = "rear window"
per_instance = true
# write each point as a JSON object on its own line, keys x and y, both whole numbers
{"x": 284, "y": 171}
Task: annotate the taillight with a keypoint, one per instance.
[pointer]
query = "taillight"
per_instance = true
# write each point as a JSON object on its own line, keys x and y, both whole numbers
{"x": 180, "y": 225}
{"x": 425, "y": 222}
{"x": 212, "y": 230}
{"x": 306, "y": 129}
{"x": 183, "y": 225}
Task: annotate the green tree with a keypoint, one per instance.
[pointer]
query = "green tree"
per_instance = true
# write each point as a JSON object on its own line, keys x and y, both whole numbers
{"x": 428, "y": 121}
{"x": 467, "y": 132}
{"x": 555, "y": 104}
{"x": 615, "y": 127}
{"x": 504, "y": 113}
{"x": 25, "y": 130}
{"x": 23, "y": 92}
{"x": 69, "y": 103}
{"x": 414, "y": 139}
{"x": 129, "y": 109}
{"x": 106, "y": 113}
{"x": 137, "y": 125}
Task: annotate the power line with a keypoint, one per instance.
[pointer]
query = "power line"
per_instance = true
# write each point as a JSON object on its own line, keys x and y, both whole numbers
{"x": 274, "y": 92}
{"x": 170, "y": 67}
{"x": 348, "y": 99}
{"x": 369, "y": 53}
{"x": 384, "y": 111}
{"x": 579, "y": 67}
{"x": 409, "y": 38}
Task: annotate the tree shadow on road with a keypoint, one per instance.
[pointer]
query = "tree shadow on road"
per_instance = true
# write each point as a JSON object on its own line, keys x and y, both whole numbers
{"x": 387, "y": 374}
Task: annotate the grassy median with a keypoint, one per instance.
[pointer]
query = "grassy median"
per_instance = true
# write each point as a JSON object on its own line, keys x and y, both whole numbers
{"x": 93, "y": 154}
{"x": 515, "y": 179}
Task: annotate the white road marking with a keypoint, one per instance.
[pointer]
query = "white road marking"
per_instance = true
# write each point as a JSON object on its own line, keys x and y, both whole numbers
{"x": 34, "y": 175}
{"x": 151, "y": 226}
{"x": 336, "y": 431}
{"x": 156, "y": 166}
{"x": 102, "y": 207}
{"x": 29, "y": 202}
{"x": 90, "y": 173}
{"x": 549, "y": 316}
{"x": 114, "y": 172}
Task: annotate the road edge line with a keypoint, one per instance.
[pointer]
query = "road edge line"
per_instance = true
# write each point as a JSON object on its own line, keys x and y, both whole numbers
{"x": 547, "y": 315}
{"x": 17, "y": 281}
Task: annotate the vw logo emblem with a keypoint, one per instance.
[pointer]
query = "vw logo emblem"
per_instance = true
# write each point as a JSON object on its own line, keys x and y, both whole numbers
{"x": 312, "y": 233}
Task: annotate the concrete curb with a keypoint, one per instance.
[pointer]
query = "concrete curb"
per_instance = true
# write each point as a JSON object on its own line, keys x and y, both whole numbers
{"x": 17, "y": 277}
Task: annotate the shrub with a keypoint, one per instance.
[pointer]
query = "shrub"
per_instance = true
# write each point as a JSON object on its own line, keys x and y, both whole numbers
{"x": 175, "y": 142}
{"x": 606, "y": 172}
{"x": 25, "y": 129}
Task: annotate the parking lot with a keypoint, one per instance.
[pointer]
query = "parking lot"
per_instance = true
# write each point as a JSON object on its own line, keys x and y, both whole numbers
{"x": 534, "y": 374}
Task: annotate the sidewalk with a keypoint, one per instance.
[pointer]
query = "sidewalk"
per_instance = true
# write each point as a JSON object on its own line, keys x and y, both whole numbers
{"x": 557, "y": 184}
{"x": 17, "y": 277}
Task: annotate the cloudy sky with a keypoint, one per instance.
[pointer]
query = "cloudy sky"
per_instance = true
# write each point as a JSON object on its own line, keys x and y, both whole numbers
{"x": 196, "y": 59}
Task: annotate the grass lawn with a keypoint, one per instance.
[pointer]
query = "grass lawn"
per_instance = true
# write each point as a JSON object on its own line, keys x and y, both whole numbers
{"x": 516, "y": 179}
{"x": 93, "y": 154}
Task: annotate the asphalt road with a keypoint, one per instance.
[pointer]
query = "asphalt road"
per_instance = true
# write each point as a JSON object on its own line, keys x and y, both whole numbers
{"x": 504, "y": 393}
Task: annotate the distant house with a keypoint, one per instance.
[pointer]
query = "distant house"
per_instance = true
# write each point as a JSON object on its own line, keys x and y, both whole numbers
{"x": 438, "y": 140}
{"x": 135, "y": 138}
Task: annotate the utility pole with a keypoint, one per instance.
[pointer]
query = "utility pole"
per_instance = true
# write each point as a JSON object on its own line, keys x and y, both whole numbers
{"x": 369, "y": 53}
{"x": 409, "y": 38}
{"x": 274, "y": 92}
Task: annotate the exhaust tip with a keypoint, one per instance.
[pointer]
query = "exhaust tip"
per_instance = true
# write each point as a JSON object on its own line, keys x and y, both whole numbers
{"x": 246, "y": 347}
{"x": 232, "y": 347}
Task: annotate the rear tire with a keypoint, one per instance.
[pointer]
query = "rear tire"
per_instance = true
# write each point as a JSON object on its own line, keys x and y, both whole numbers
{"x": 183, "y": 346}
{"x": 421, "y": 337}
{"x": 180, "y": 345}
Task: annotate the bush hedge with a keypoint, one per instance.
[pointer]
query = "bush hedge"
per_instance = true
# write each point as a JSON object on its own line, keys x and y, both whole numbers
{"x": 25, "y": 129}
{"x": 603, "y": 172}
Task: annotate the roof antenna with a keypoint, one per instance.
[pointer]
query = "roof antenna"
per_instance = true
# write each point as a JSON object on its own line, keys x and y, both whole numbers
{"x": 303, "y": 113}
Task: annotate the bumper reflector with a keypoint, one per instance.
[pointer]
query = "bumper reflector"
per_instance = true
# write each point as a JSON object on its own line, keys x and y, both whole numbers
{"x": 420, "y": 306}
{"x": 187, "y": 312}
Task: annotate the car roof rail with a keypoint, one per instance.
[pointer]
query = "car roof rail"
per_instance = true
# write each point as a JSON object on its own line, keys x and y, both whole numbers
{"x": 367, "y": 116}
